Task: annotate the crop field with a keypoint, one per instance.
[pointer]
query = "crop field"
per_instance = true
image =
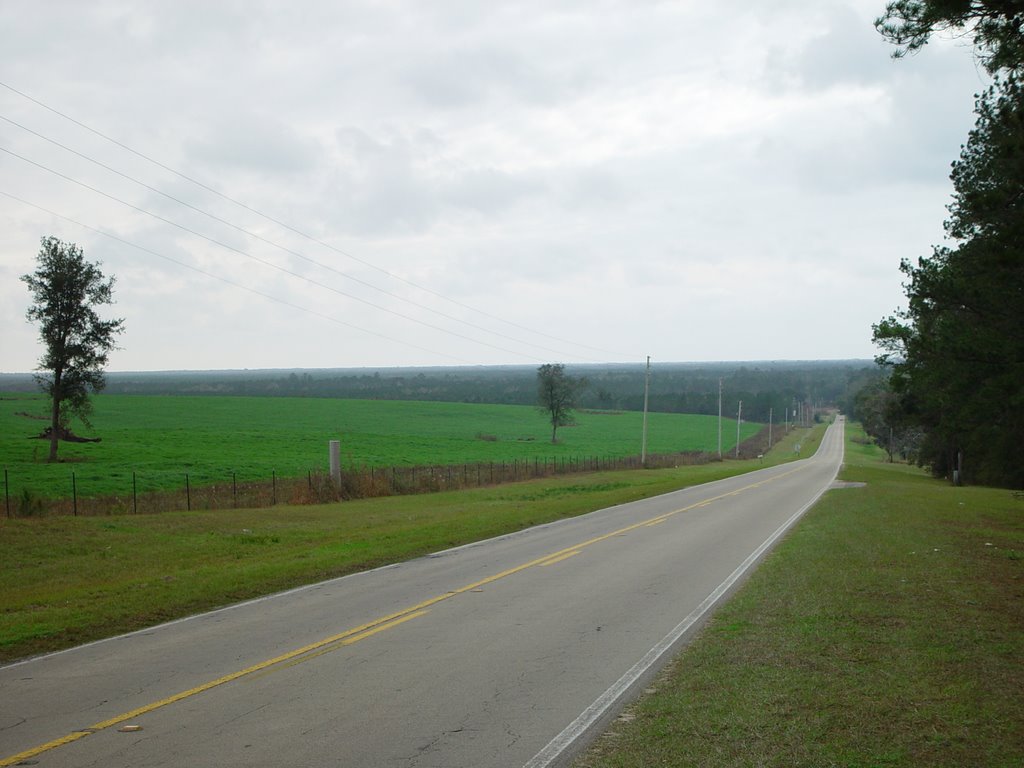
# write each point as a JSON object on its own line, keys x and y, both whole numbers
{"x": 160, "y": 439}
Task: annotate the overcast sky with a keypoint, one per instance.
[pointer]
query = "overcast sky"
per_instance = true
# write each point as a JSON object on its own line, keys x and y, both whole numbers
{"x": 343, "y": 183}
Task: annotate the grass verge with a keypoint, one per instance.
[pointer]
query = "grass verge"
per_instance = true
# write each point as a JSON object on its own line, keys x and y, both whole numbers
{"x": 885, "y": 630}
{"x": 69, "y": 580}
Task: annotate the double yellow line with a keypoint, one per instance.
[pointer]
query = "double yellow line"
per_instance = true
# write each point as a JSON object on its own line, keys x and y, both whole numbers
{"x": 356, "y": 634}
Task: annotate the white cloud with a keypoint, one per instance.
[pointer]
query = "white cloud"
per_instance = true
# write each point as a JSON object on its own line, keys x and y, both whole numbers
{"x": 689, "y": 181}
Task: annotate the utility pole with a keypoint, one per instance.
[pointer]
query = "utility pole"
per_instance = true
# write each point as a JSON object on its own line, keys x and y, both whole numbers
{"x": 647, "y": 386}
{"x": 739, "y": 420}
{"x": 771, "y": 413}
{"x": 719, "y": 418}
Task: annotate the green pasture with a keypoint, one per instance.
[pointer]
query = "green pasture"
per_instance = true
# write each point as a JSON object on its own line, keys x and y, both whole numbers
{"x": 162, "y": 438}
{"x": 883, "y": 632}
{"x": 67, "y": 580}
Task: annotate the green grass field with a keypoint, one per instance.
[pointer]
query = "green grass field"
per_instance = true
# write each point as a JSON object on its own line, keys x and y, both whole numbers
{"x": 67, "y": 580}
{"x": 884, "y": 631}
{"x": 161, "y": 438}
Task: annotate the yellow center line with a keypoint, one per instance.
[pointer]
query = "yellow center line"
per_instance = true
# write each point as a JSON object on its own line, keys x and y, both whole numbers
{"x": 560, "y": 558}
{"x": 381, "y": 628}
{"x": 354, "y": 639}
{"x": 368, "y": 629}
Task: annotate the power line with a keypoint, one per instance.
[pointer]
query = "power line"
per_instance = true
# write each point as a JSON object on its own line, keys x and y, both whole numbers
{"x": 295, "y": 230}
{"x": 226, "y": 281}
{"x": 258, "y": 259}
{"x": 259, "y": 237}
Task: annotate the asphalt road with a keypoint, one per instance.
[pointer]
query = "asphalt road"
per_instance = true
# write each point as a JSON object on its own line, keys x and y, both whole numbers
{"x": 509, "y": 652}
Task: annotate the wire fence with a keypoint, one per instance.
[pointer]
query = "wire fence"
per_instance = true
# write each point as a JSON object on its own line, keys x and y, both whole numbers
{"x": 318, "y": 487}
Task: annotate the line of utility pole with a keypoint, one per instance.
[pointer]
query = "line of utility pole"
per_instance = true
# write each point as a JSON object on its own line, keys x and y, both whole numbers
{"x": 647, "y": 387}
{"x": 719, "y": 418}
{"x": 739, "y": 420}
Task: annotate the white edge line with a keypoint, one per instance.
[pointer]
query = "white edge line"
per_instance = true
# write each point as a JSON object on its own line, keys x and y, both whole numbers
{"x": 592, "y": 714}
{"x": 321, "y": 584}
{"x": 328, "y": 582}
{"x": 275, "y": 595}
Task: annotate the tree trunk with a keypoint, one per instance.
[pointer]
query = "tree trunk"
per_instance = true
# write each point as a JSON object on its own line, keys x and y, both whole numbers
{"x": 54, "y": 417}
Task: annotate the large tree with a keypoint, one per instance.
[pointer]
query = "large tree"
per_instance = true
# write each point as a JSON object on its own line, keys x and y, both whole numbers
{"x": 66, "y": 290}
{"x": 957, "y": 351}
{"x": 557, "y": 393}
{"x": 995, "y": 26}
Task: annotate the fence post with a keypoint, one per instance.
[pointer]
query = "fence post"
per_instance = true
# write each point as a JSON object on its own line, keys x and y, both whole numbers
{"x": 334, "y": 456}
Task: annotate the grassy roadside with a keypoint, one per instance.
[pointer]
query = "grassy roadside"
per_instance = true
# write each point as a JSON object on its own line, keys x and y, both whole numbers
{"x": 68, "y": 580}
{"x": 885, "y": 630}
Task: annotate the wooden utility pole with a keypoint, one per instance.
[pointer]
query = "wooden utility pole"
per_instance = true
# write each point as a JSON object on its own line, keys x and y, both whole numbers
{"x": 719, "y": 418}
{"x": 647, "y": 386}
{"x": 739, "y": 420}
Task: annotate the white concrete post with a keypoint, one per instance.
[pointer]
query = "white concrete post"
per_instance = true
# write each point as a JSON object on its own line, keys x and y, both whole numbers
{"x": 335, "y": 452}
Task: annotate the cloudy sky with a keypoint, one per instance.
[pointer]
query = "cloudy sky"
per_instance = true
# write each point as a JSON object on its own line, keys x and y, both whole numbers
{"x": 358, "y": 183}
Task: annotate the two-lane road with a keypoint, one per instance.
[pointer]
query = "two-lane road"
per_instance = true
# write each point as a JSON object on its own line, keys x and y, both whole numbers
{"x": 501, "y": 653}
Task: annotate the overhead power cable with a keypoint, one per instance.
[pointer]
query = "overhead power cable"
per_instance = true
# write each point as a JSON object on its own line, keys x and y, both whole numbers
{"x": 232, "y": 283}
{"x": 257, "y": 259}
{"x": 262, "y": 239}
{"x": 297, "y": 231}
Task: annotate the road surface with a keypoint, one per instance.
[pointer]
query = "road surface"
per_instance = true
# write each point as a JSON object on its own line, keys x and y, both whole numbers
{"x": 509, "y": 652}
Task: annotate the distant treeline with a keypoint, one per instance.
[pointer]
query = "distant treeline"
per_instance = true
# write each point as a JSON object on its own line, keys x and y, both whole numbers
{"x": 766, "y": 388}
